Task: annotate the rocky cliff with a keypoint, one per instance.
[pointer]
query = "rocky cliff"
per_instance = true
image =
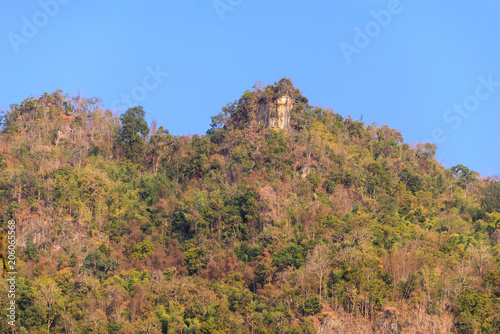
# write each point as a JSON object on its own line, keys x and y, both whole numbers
{"x": 276, "y": 113}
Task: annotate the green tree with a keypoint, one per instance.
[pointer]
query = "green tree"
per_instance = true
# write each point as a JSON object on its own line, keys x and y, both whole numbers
{"x": 133, "y": 133}
{"x": 291, "y": 256}
{"x": 314, "y": 178}
{"x": 312, "y": 305}
{"x": 193, "y": 258}
{"x": 464, "y": 176}
{"x": 98, "y": 264}
{"x": 142, "y": 249}
{"x": 491, "y": 195}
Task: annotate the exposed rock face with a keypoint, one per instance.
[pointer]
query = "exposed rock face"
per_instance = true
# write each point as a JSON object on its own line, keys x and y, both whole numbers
{"x": 276, "y": 114}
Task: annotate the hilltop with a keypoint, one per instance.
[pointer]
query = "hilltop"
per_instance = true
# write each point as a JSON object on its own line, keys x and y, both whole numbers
{"x": 283, "y": 218}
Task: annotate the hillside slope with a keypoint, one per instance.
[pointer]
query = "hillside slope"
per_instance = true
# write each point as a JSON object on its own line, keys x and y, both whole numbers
{"x": 283, "y": 218}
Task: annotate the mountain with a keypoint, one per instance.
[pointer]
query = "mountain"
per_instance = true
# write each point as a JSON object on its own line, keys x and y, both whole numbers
{"x": 283, "y": 218}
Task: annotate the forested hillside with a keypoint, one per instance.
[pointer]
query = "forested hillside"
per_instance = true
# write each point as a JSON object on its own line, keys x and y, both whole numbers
{"x": 283, "y": 218}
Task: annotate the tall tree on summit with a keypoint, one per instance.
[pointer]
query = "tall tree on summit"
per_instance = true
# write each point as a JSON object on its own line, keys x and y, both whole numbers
{"x": 133, "y": 133}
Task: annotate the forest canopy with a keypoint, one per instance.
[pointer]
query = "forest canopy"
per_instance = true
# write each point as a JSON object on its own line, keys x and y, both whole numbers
{"x": 327, "y": 224}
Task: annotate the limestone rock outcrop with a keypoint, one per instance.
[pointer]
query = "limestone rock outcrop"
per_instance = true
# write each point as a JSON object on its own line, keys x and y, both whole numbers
{"x": 276, "y": 114}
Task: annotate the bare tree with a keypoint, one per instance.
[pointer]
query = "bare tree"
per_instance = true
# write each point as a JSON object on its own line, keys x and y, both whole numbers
{"x": 480, "y": 257}
{"x": 318, "y": 262}
{"x": 402, "y": 262}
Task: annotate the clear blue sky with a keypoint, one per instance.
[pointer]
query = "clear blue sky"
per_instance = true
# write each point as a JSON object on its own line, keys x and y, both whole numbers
{"x": 406, "y": 70}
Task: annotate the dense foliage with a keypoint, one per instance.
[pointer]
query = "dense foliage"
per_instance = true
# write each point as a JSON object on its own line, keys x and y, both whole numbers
{"x": 331, "y": 225}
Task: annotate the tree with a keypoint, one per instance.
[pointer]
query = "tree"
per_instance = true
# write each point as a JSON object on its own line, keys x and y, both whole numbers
{"x": 47, "y": 297}
{"x": 426, "y": 151}
{"x": 162, "y": 144}
{"x": 464, "y": 176}
{"x": 480, "y": 256}
{"x": 491, "y": 195}
{"x": 312, "y": 305}
{"x": 318, "y": 262}
{"x": 142, "y": 250}
{"x": 133, "y": 133}
{"x": 291, "y": 256}
{"x": 193, "y": 259}
{"x": 98, "y": 264}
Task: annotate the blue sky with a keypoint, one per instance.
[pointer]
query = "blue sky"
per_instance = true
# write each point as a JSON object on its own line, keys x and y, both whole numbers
{"x": 429, "y": 69}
